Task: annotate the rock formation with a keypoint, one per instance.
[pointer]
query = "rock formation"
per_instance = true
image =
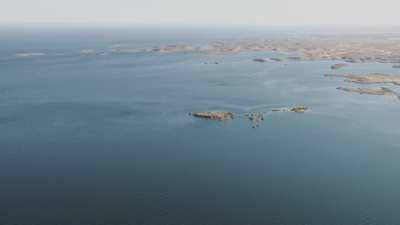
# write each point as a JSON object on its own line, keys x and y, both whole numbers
{"x": 214, "y": 115}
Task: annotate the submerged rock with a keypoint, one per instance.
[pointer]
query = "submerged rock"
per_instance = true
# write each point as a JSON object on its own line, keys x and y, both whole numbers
{"x": 256, "y": 118}
{"x": 275, "y": 59}
{"x": 271, "y": 59}
{"x": 260, "y": 60}
{"x": 214, "y": 115}
{"x": 338, "y": 66}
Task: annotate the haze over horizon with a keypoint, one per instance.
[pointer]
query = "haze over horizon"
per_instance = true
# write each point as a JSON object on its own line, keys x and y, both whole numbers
{"x": 185, "y": 12}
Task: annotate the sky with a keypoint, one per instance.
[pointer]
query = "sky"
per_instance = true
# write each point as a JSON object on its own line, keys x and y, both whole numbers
{"x": 202, "y": 12}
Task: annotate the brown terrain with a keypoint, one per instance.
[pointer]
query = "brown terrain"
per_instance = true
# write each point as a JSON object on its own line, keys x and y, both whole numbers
{"x": 374, "y": 78}
{"x": 348, "y": 48}
{"x": 370, "y": 91}
{"x": 214, "y": 115}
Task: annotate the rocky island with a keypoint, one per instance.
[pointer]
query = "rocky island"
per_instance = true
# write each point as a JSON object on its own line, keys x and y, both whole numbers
{"x": 374, "y": 78}
{"x": 371, "y": 91}
{"x": 256, "y": 118}
{"x": 220, "y": 116}
{"x": 297, "y": 109}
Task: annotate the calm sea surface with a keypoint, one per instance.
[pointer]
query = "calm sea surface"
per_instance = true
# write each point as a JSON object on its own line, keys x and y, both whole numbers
{"x": 91, "y": 139}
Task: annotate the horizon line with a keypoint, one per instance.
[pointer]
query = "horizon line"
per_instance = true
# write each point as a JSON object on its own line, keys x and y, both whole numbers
{"x": 109, "y": 24}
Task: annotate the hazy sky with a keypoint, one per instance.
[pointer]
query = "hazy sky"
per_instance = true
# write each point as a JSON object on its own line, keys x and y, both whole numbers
{"x": 257, "y": 12}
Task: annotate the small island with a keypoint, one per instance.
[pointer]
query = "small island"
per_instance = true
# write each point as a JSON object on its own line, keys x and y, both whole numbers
{"x": 370, "y": 91}
{"x": 297, "y": 109}
{"x": 256, "y": 118}
{"x": 220, "y": 116}
{"x": 374, "y": 78}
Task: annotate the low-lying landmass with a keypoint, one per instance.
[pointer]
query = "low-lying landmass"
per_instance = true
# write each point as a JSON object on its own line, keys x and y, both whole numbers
{"x": 371, "y": 91}
{"x": 346, "y": 48}
{"x": 214, "y": 115}
{"x": 374, "y": 78}
{"x": 297, "y": 109}
{"x": 351, "y": 49}
{"x": 358, "y": 48}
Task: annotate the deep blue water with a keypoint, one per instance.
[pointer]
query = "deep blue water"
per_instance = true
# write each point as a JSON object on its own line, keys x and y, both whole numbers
{"x": 107, "y": 139}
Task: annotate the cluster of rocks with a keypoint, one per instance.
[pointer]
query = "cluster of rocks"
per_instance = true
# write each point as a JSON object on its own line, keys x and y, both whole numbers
{"x": 255, "y": 117}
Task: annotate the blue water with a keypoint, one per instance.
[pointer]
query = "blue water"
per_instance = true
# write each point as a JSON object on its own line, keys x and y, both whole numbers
{"x": 107, "y": 139}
